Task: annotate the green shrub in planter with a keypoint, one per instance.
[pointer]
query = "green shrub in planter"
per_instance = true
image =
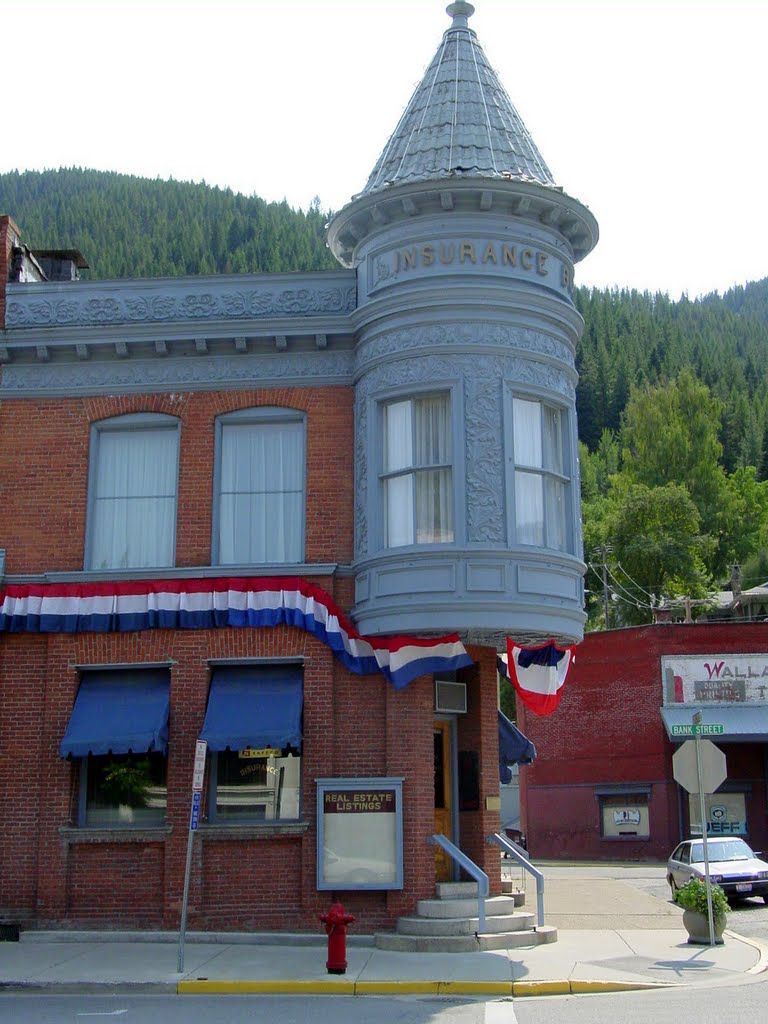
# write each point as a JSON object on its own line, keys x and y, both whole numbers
{"x": 693, "y": 896}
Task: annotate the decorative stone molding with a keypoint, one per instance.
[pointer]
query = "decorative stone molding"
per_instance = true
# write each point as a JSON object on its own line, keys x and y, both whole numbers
{"x": 462, "y": 338}
{"x": 484, "y": 456}
{"x": 185, "y": 300}
{"x": 322, "y": 366}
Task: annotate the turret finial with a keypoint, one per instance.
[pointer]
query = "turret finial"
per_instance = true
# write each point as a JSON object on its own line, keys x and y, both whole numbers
{"x": 460, "y": 11}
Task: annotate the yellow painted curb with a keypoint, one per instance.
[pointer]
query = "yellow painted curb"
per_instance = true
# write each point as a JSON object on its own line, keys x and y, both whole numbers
{"x": 541, "y": 988}
{"x": 580, "y": 987}
{"x": 475, "y": 988}
{"x": 384, "y": 988}
{"x": 346, "y": 988}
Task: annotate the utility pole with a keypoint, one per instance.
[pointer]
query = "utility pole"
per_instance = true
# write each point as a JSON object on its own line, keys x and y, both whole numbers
{"x": 606, "y": 604}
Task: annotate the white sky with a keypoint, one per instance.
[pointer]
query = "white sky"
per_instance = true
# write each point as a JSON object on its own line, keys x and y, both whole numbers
{"x": 651, "y": 112}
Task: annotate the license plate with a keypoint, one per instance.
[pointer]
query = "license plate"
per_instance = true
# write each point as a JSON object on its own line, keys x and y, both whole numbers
{"x": 744, "y": 887}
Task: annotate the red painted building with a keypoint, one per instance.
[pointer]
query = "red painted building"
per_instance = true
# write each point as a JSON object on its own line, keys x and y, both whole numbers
{"x": 602, "y": 785}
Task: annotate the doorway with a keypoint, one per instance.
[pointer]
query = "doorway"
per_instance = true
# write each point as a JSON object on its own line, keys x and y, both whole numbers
{"x": 444, "y": 802}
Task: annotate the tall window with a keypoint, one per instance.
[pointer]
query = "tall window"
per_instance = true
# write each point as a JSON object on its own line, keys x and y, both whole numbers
{"x": 133, "y": 485}
{"x": 541, "y": 483}
{"x": 418, "y": 479}
{"x": 260, "y": 488}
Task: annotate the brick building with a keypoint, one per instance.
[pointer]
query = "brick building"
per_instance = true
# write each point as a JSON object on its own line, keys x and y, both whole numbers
{"x": 602, "y": 785}
{"x": 295, "y": 515}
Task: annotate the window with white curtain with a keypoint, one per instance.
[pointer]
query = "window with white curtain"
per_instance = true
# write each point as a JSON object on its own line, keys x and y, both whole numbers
{"x": 417, "y": 472}
{"x": 132, "y": 492}
{"x": 260, "y": 500}
{"x": 541, "y": 482}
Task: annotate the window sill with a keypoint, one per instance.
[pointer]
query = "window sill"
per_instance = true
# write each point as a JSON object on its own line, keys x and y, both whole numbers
{"x": 139, "y": 834}
{"x": 253, "y": 830}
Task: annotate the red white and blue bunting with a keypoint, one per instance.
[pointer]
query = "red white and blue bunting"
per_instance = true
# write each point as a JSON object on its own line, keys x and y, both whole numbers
{"x": 537, "y": 673}
{"x": 214, "y": 603}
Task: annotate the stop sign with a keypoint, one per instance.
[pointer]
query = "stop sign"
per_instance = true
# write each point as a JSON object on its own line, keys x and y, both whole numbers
{"x": 713, "y": 770}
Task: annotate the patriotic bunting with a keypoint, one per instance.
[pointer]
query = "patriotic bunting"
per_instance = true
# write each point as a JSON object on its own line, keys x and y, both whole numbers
{"x": 537, "y": 673}
{"x": 211, "y": 603}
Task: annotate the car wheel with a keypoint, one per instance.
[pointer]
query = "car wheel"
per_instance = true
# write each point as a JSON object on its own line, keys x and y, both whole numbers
{"x": 672, "y": 885}
{"x": 765, "y": 900}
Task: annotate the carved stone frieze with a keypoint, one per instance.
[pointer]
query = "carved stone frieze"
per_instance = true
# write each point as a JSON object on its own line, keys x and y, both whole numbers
{"x": 129, "y": 303}
{"x": 484, "y": 455}
{"x": 158, "y": 374}
{"x": 462, "y": 337}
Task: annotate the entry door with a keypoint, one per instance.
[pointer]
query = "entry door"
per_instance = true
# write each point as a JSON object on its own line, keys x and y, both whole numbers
{"x": 443, "y": 790}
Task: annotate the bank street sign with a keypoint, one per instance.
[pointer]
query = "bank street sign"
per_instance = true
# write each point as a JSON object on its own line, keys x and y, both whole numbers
{"x": 713, "y": 767}
{"x": 698, "y": 730}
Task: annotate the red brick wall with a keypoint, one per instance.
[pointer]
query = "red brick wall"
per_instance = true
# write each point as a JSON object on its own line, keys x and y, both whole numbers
{"x": 45, "y": 499}
{"x": 9, "y": 233}
{"x": 608, "y": 729}
{"x": 54, "y": 874}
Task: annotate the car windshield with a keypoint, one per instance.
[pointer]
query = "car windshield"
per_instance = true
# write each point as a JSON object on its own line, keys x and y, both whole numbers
{"x": 732, "y": 849}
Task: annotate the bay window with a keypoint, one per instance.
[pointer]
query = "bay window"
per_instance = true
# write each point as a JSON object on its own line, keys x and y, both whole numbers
{"x": 417, "y": 471}
{"x": 541, "y": 484}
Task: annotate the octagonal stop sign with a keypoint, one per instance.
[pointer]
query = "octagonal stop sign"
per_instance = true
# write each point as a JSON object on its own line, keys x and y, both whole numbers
{"x": 713, "y": 770}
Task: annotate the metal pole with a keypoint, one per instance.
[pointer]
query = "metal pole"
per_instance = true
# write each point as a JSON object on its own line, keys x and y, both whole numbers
{"x": 185, "y": 901}
{"x": 702, "y": 817}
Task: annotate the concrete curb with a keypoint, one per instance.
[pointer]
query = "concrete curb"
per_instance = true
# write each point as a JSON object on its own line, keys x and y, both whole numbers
{"x": 441, "y": 988}
{"x": 762, "y": 963}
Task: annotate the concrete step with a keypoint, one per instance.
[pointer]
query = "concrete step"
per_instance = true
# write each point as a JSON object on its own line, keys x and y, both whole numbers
{"x": 494, "y": 906}
{"x": 437, "y": 926}
{"x": 463, "y": 943}
{"x": 513, "y": 890}
{"x": 518, "y": 940}
{"x": 456, "y": 890}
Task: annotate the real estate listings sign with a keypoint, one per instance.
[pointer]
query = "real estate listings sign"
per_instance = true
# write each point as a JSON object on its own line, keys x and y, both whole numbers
{"x": 715, "y": 679}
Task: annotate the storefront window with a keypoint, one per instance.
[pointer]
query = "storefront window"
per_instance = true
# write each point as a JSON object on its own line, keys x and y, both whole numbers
{"x": 125, "y": 789}
{"x": 251, "y": 785}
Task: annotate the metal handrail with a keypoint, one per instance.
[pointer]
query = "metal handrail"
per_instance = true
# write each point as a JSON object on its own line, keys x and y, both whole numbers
{"x": 483, "y": 885}
{"x": 521, "y": 857}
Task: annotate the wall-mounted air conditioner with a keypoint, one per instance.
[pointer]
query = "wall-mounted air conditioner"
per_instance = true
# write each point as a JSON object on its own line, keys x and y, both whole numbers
{"x": 450, "y": 697}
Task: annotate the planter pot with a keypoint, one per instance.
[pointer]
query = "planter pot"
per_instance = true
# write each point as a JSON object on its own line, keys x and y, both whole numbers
{"x": 697, "y": 926}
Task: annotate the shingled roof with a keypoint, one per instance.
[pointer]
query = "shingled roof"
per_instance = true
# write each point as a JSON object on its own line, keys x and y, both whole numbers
{"x": 460, "y": 122}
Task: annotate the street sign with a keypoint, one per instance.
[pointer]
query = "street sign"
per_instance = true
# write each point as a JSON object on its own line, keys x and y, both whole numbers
{"x": 713, "y": 766}
{"x": 698, "y": 730}
{"x": 198, "y": 772}
{"x": 195, "y": 813}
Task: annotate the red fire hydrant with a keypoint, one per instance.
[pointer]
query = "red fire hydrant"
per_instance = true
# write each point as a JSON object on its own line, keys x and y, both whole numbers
{"x": 336, "y": 921}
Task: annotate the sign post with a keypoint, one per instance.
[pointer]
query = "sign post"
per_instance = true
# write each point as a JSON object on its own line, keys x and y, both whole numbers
{"x": 710, "y": 773}
{"x": 194, "y": 816}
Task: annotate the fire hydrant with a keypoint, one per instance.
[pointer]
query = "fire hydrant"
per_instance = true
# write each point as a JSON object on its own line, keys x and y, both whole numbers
{"x": 336, "y": 921}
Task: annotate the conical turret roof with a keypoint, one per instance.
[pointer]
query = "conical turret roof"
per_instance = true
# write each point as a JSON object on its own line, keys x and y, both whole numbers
{"x": 460, "y": 122}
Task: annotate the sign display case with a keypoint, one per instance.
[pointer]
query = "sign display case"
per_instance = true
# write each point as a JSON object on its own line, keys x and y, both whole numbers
{"x": 360, "y": 833}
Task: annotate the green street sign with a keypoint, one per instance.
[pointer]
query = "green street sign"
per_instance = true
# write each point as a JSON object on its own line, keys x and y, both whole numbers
{"x": 698, "y": 730}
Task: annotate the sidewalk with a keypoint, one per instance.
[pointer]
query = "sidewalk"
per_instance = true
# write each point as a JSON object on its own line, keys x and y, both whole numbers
{"x": 611, "y": 938}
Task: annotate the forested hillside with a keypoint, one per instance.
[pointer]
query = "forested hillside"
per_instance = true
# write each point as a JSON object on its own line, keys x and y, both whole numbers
{"x": 672, "y": 397}
{"x": 137, "y": 227}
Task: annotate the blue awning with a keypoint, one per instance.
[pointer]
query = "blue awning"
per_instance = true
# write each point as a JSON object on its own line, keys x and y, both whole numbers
{"x": 119, "y": 712}
{"x": 514, "y": 748}
{"x": 254, "y": 706}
